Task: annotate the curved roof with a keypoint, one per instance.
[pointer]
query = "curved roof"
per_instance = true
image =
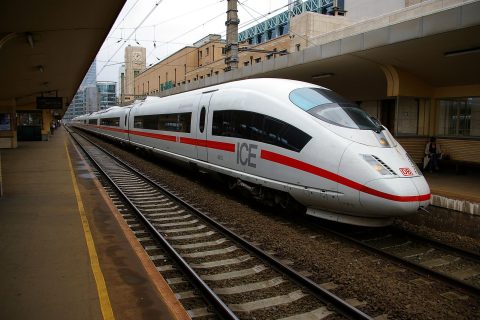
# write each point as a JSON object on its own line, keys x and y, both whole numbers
{"x": 47, "y": 46}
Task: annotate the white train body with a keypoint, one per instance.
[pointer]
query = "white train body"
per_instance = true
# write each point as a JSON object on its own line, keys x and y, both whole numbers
{"x": 284, "y": 135}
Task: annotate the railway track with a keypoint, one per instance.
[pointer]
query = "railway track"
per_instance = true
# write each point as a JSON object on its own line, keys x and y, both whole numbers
{"x": 455, "y": 266}
{"x": 235, "y": 278}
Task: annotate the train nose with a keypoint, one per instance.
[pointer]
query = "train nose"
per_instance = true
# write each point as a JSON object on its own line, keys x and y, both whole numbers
{"x": 399, "y": 196}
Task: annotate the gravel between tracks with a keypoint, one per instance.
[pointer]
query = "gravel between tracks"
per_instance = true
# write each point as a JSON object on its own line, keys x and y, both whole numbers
{"x": 385, "y": 287}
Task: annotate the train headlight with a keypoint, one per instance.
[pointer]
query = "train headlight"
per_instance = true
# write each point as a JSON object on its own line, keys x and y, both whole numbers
{"x": 378, "y": 165}
{"x": 382, "y": 140}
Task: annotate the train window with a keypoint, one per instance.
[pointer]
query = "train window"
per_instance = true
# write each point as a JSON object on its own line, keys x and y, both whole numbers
{"x": 273, "y": 129}
{"x": 284, "y": 135}
{"x": 201, "y": 125}
{"x": 125, "y": 121}
{"x": 222, "y": 123}
{"x": 146, "y": 122}
{"x": 178, "y": 122}
{"x": 258, "y": 127}
{"x": 113, "y": 122}
{"x": 92, "y": 121}
{"x": 330, "y": 107}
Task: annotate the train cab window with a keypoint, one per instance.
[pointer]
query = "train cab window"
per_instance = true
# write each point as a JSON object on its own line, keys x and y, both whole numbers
{"x": 330, "y": 107}
{"x": 201, "y": 125}
{"x": 258, "y": 127}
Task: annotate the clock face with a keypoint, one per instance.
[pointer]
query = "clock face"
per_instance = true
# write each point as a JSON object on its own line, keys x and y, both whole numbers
{"x": 137, "y": 56}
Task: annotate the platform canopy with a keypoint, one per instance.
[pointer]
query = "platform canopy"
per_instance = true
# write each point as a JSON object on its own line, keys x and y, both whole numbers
{"x": 46, "y": 47}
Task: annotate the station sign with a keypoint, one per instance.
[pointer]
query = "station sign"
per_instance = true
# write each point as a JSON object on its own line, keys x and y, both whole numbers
{"x": 49, "y": 103}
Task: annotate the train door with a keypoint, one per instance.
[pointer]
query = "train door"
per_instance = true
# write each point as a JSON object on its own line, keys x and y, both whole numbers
{"x": 127, "y": 123}
{"x": 202, "y": 111}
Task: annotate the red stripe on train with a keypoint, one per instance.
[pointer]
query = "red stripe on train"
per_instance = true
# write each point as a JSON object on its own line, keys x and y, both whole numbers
{"x": 230, "y": 147}
{"x": 154, "y": 135}
{"x": 300, "y": 165}
{"x": 112, "y": 129}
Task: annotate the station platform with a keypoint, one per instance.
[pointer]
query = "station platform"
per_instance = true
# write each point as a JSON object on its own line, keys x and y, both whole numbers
{"x": 67, "y": 254}
{"x": 65, "y": 251}
{"x": 459, "y": 192}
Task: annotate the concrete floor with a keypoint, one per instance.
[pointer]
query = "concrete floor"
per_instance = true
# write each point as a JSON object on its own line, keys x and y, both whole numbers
{"x": 46, "y": 270}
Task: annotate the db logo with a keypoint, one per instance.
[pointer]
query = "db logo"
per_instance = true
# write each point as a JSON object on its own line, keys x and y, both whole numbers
{"x": 406, "y": 172}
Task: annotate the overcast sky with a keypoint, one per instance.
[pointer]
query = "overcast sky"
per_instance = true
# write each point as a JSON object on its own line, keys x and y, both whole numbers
{"x": 172, "y": 25}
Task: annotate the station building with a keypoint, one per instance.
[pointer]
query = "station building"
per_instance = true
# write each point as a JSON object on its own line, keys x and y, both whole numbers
{"x": 412, "y": 64}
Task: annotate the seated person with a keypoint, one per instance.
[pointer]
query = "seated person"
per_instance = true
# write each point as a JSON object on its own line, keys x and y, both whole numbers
{"x": 433, "y": 153}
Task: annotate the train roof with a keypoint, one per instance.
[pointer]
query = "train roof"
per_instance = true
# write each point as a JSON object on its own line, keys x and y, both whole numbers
{"x": 273, "y": 86}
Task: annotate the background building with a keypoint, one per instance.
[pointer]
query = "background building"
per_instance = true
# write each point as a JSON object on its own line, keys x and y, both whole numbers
{"x": 92, "y": 95}
{"x": 85, "y": 98}
{"x": 106, "y": 94}
{"x": 135, "y": 63}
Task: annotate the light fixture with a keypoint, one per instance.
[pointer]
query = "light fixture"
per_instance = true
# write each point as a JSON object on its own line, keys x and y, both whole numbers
{"x": 461, "y": 52}
{"x": 40, "y": 68}
{"x": 30, "y": 40}
{"x": 322, "y": 75}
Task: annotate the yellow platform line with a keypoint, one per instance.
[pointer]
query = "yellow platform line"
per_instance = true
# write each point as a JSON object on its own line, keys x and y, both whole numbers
{"x": 105, "y": 305}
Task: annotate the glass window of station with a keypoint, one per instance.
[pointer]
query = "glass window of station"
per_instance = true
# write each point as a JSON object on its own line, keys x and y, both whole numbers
{"x": 459, "y": 117}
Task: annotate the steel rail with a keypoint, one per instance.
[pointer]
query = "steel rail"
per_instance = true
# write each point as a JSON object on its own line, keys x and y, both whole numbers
{"x": 218, "y": 303}
{"x": 412, "y": 265}
{"x": 469, "y": 254}
{"x": 326, "y": 296}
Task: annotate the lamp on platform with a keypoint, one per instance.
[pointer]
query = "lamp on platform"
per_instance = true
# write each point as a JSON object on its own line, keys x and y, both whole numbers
{"x": 322, "y": 76}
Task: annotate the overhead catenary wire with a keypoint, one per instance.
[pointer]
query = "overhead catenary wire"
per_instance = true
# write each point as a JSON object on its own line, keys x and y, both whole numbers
{"x": 123, "y": 18}
{"x": 171, "y": 41}
{"x": 190, "y": 30}
{"x": 132, "y": 33}
{"x": 223, "y": 32}
{"x": 154, "y": 26}
{"x": 212, "y": 68}
{"x": 138, "y": 41}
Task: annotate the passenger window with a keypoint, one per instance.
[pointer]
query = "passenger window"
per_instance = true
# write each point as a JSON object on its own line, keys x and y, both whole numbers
{"x": 201, "y": 125}
{"x": 273, "y": 128}
{"x": 258, "y": 127}
{"x": 179, "y": 122}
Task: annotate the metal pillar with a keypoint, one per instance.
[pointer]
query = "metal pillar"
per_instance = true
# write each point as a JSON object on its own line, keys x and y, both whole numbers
{"x": 231, "y": 48}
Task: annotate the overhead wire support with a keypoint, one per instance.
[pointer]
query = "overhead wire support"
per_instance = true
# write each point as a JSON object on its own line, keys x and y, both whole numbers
{"x": 231, "y": 47}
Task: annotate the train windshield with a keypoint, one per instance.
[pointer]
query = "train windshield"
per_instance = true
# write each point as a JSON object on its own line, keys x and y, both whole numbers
{"x": 328, "y": 106}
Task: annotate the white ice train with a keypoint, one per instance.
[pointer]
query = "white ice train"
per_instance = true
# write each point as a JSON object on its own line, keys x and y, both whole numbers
{"x": 279, "y": 139}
